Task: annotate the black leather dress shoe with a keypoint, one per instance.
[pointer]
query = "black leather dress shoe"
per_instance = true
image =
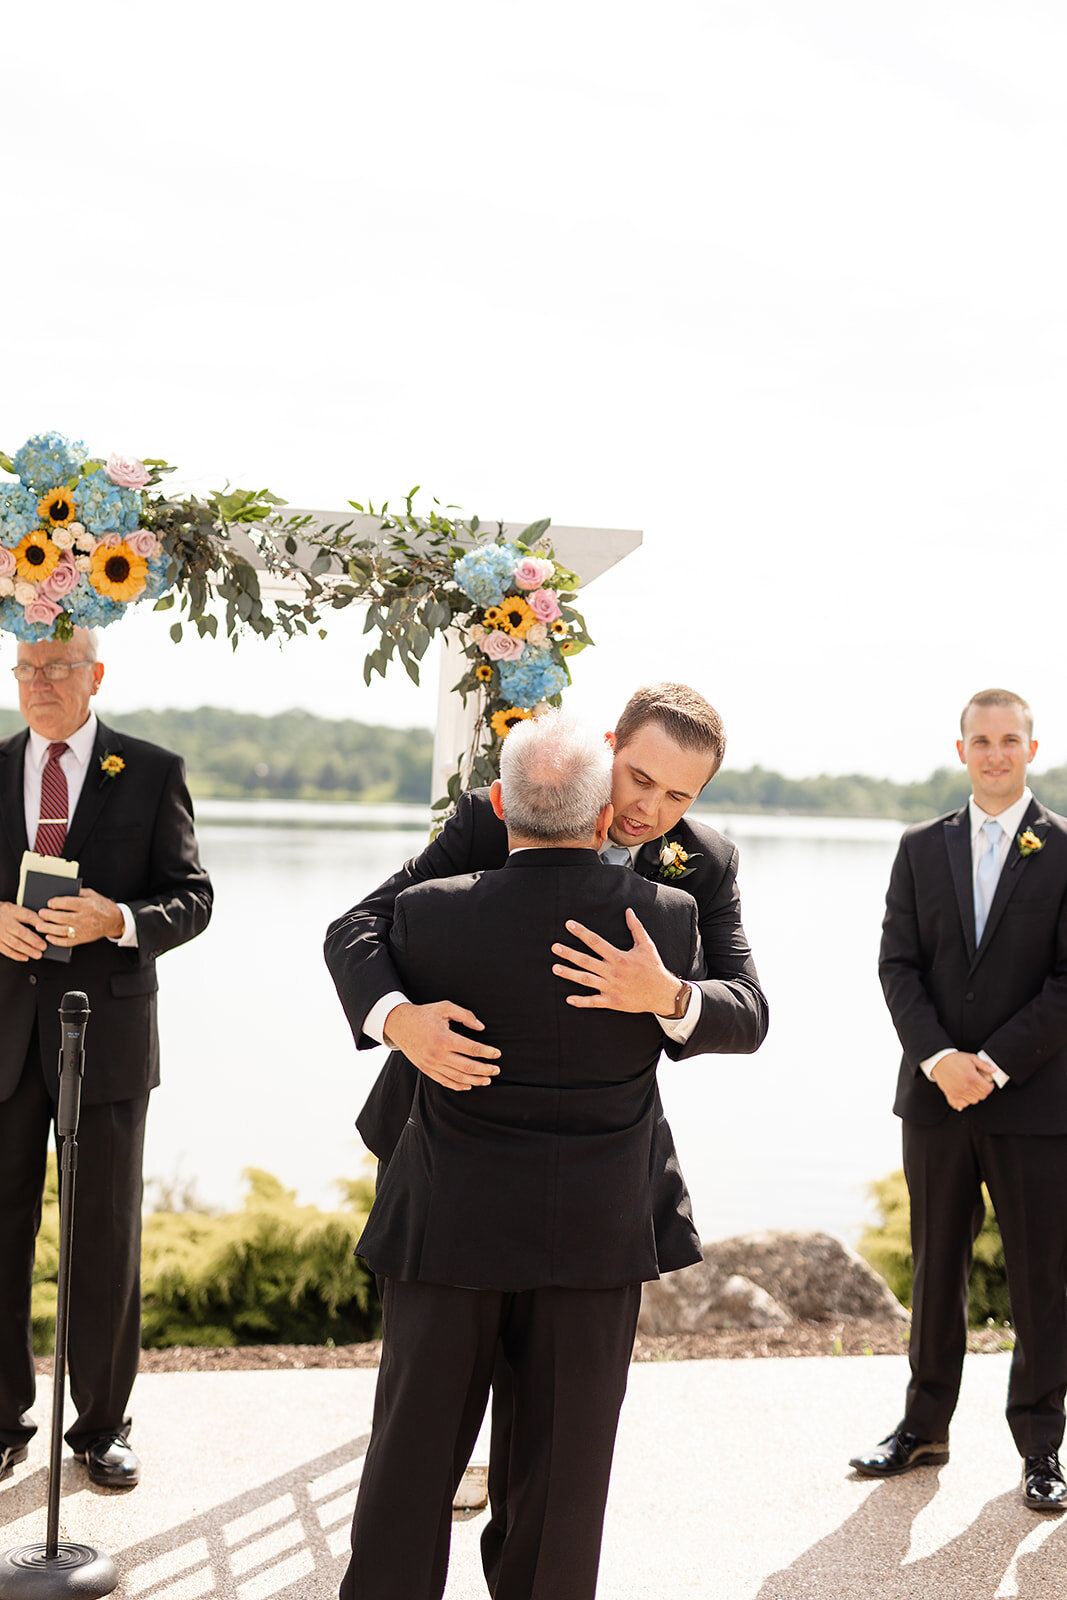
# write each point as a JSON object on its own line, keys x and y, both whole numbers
{"x": 112, "y": 1461}
{"x": 899, "y": 1453}
{"x": 1044, "y": 1488}
{"x": 10, "y": 1456}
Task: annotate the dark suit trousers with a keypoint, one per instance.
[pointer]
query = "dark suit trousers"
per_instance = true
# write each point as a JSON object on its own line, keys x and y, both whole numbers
{"x": 1027, "y": 1180}
{"x": 569, "y": 1352}
{"x": 105, "y": 1290}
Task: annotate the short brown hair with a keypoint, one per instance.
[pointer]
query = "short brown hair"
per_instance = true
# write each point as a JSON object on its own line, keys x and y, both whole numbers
{"x": 682, "y": 713}
{"x": 999, "y": 697}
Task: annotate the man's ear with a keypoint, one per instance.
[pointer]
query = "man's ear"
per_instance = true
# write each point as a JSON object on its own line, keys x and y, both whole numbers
{"x": 496, "y": 798}
{"x": 97, "y": 676}
{"x": 603, "y": 823}
{"x": 609, "y": 738}
{"x": 959, "y": 751}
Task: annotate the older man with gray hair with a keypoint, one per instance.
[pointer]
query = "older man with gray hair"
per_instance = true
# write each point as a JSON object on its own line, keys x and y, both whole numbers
{"x": 519, "y": 1217}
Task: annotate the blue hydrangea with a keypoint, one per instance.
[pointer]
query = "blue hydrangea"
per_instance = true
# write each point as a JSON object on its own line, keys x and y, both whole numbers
{"x": 103, "y": 507}
{"x": 485, "y": 574}
{"x": 89, "y": 609}
{"x": 18, "y": 513}
{"x": 48, "y": 459}
{"x": 532, "y": 678}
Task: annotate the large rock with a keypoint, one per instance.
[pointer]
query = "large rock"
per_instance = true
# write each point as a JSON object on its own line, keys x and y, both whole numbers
{"x": 765, "y": 1280}
{"x": 695, "y": 1298}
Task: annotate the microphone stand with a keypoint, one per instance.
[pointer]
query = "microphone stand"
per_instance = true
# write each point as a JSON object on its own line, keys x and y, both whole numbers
{"x": 56, "y": 1570}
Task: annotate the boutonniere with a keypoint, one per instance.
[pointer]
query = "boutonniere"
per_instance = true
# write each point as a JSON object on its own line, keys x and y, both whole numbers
{"x": 1027, "y": 843}
{"x": 112, "y": 765}
{"x": 673, "y": 859}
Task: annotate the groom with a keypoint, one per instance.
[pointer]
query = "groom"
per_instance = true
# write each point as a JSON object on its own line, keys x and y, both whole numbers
{"x": 974, "y": 969}
{"x": 519, "y": 1219}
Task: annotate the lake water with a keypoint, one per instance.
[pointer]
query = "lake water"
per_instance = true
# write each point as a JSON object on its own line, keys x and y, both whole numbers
{"x": 259, "y": 1068}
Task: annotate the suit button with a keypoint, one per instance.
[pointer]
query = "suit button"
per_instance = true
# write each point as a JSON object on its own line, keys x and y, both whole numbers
{"x": 969, "y": 995}
{"x": 33, "y": 978}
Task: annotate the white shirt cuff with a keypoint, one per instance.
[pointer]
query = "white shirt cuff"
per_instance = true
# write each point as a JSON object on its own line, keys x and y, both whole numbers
{"x": 127, "y": 940}
{"x": 374, "y": 1021}
{"x": 1000, "y": 1078}
{"x": 931, "y": 1062}
{"x": 680, "y": 1028}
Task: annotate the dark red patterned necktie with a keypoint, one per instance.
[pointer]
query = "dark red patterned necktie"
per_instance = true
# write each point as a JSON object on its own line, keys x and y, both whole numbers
{"x": 52, "y": 828}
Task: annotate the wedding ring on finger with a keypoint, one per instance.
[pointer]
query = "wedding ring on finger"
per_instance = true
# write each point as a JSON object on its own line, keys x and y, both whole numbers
{"x": 70, "y": 932}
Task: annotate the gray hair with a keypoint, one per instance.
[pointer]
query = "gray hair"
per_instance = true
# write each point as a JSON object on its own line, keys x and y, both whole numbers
{"x": 555, "y": 778}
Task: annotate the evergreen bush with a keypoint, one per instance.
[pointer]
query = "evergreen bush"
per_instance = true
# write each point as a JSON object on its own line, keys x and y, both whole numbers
{"x": 887, "y": 1246}
{"x": 272, "y": 1273}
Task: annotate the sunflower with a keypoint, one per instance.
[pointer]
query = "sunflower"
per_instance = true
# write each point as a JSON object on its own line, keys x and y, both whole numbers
{"x": 516, "y": 617}
{"x": 484, "y": 673}
{"x": 118, "y": 572}
{"x": 493, "y": 616}
{"x": 57, "y": 507}
{"x": 35, "y": 556}
{"x": 502, "y": 722}
{"x": 559, "y": 629}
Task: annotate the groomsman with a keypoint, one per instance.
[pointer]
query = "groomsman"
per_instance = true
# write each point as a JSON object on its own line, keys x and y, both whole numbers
{"x": 974, "y": 969}
{"x": 519, "y": 1219}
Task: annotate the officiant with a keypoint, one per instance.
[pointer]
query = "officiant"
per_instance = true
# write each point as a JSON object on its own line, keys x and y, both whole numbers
{"x": 73, "y": 788}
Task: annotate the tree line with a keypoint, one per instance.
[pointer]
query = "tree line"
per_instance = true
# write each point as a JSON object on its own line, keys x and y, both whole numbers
{"x": 295, "y": 755}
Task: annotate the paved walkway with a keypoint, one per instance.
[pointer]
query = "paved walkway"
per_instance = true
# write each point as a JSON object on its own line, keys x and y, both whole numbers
{"x": 730, "y": 1483}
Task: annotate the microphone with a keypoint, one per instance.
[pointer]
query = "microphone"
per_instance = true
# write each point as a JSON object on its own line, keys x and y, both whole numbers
{"x": 73, "y": 1015}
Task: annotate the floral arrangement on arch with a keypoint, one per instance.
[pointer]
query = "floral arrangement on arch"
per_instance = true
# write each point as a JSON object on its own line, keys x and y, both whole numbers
{"x": 73, "y": 551}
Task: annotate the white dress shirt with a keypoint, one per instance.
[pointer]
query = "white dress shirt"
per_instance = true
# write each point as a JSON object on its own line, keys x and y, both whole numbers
{"x": 1010, "y": 822}
{"x": 678, "y": 1029}
{"x": 75, "y": 764}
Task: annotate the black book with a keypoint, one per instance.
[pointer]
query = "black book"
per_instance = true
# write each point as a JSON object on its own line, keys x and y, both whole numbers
{"x": 40, "y": 887}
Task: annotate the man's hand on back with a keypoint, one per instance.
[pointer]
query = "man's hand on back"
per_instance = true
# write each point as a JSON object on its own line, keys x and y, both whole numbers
{"x": 963, "y": 1079}
{"x": 624, "y": 980}
{"x": 424, "y": 1035}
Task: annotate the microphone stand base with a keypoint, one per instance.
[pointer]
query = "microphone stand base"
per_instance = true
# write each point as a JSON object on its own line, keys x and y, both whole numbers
{"x": 75, "y": 1572}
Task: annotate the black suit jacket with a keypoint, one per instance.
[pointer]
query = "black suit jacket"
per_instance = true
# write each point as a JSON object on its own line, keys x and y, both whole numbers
{"x": 1008, "y": 996}
{"x": 545, "y": 1177}
{"x": 132, "y": 836}
{"x": 733, "y": 1019}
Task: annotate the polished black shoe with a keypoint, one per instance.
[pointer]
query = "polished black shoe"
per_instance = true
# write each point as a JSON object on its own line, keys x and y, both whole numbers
{"x": 112, "y": 1461}
{"x": 10, "y": 1456}
{"x": 899, "y": 1453}
{"x": 1044, "y": 1488}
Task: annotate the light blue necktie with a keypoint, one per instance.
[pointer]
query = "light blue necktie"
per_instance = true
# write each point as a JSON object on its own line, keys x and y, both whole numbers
{"x": 985, "y": 880}
{"x": 616, "y": 855}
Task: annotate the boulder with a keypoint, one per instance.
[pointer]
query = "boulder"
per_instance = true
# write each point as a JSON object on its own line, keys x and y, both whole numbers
{"x": 695, "y": 1298}
{"x": 766, "y": 1280}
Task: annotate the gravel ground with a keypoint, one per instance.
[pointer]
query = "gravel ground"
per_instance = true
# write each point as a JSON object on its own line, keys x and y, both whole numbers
{"x": 847, "y": 1337}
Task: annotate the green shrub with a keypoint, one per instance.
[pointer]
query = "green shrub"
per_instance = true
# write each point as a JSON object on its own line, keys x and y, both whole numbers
{"x": 887, "y": 1246}
{"x": 272, "y": 1273}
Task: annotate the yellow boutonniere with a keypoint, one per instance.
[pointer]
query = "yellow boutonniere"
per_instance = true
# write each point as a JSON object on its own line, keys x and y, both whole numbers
{"x": 1028, "y": 843}
{"x": 673, "y": 859}
{"x": 112, "y": 765}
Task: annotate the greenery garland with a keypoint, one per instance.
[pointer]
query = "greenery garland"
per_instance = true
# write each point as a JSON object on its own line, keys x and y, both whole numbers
{"x": 81, "y": 539}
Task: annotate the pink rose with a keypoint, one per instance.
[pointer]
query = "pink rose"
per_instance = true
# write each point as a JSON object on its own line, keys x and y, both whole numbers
{"x": 41, "y": 610}
{"x": 127, "y": 472}
{"x": 61, "y": 580}
{"x": 142, "y": 543}
{"x": 532, "y": 571}
{"x": 501, "y": 646}
{"x": 7, "y": 561}
{"x": 112, "y": 540}
{"x": 544, "y": 605}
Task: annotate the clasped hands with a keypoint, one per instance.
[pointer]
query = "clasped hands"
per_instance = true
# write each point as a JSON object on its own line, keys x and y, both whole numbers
{"x": 620, "y": 980}
{"x": 66, "y": 920}
{"x": 964, "y": 1079}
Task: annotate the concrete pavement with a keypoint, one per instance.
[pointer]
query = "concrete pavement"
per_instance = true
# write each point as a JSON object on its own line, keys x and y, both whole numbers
{"x": 730, "y": 1483}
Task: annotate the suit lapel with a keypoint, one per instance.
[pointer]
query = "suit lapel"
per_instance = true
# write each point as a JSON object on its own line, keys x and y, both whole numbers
{"x": 1011, "y": 873}
{"x": 958, "y": 844}
{"x": 12, "y": 793}
{"x": 95, "y": 792}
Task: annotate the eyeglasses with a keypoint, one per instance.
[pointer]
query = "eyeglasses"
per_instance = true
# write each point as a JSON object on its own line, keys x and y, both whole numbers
{"x": 53, "y": 671}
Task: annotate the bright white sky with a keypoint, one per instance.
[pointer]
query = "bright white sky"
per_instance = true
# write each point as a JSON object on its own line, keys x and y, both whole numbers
{"x": 781, "y": 284}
